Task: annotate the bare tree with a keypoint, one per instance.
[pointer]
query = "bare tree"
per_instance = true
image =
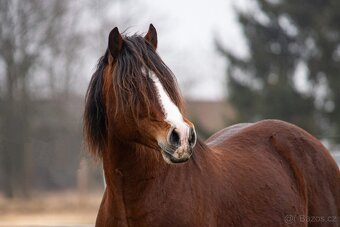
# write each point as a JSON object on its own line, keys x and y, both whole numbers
{"x": 43, "y": 48}
{"x": 36, "y": 38}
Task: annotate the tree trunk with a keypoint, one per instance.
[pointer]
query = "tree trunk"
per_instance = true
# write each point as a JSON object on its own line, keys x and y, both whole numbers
{"x": 14, "y": 133}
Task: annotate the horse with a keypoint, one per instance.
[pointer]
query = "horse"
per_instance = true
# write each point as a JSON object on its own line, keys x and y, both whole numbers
{"x": 159, "y": 173}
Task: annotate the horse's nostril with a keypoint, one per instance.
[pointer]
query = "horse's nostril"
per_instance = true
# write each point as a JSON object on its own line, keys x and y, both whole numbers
{"x": 174, "y": 138}
{"x": 192, "y": 137}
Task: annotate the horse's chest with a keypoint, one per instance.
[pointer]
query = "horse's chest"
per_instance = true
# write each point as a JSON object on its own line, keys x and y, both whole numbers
{"x": 163, "y": 219}
{"x": 161, "y": 204}
{"x": 163, "y": 213}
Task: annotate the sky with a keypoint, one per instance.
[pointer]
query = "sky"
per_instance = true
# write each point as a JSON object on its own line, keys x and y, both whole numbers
{"x": 187, "y": 31}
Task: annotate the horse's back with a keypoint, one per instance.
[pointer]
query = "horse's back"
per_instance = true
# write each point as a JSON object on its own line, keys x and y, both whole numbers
{"x": 222, "y": 135}
{"x": 305, "y": 159}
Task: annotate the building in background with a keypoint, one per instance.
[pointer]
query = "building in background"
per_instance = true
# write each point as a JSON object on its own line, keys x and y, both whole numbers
{"x": 209, "y": 116}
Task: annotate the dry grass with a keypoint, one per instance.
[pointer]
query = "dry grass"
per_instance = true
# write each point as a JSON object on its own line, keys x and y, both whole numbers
{"x": 52, "y": 209}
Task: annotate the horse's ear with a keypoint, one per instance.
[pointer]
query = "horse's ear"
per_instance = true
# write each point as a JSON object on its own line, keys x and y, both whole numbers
{"x": 151, "y": 36}
{"x": 115, "y": 42}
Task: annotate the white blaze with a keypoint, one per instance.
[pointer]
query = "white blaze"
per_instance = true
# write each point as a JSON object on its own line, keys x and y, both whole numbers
{"x": 172, "y": 114}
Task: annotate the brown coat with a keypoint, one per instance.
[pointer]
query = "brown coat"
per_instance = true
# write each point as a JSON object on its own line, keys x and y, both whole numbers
{"x": 266, "y": 174}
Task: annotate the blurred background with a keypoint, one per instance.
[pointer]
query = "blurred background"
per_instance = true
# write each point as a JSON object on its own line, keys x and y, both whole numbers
{"x": 235, "y": 62}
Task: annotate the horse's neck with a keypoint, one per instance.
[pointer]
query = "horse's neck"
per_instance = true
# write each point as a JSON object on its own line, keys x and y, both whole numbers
{"x": 134, "y": 175}
{"x": 132, "y": 160}
{"x": 128, "y": 167}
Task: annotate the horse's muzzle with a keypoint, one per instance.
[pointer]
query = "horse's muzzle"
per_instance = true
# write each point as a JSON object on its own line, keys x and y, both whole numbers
{"x": 174, "y": 157}
{"x": 178, "y": 148}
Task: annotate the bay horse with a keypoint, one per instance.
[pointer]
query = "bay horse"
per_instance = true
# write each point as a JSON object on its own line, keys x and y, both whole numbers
{"x": 158, "y": 173}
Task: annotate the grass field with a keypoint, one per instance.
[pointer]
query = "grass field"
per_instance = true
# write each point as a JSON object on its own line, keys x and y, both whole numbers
{"x": 52, "y": 209}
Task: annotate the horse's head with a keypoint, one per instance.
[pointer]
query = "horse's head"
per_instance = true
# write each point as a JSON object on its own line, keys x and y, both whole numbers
{"x": 133, "y": 98}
